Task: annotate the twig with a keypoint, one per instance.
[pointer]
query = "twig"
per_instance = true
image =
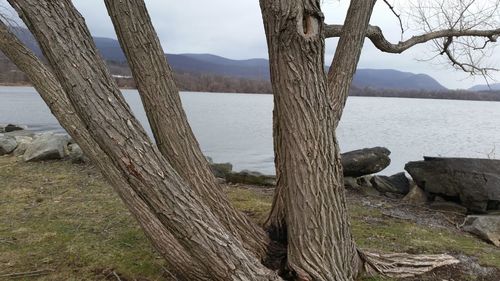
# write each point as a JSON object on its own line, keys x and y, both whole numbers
{"x": 393, "y": 9}
{"x": 27, "y": 274}
{"x": 117, "y": 276}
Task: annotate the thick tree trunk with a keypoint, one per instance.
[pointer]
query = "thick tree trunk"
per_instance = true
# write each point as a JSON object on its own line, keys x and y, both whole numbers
{"x": 68, "y": 46}
{"x": 320, "y": 244}
{"x": 174, "y": 137}
{"x": 53, "y": 94}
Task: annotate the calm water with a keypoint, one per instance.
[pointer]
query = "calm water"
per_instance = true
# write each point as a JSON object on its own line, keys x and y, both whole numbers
{"x": 237, "y": 128}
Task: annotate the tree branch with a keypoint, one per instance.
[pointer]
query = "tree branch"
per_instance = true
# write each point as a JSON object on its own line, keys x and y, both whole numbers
{"x": 375, "y": 34}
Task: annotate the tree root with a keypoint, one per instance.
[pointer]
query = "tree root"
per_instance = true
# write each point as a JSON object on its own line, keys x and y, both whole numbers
{"x": 403, "y": 265}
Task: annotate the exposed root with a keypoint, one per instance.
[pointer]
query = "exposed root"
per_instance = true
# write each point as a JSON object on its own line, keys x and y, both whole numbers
{"x": 403, "y": 265}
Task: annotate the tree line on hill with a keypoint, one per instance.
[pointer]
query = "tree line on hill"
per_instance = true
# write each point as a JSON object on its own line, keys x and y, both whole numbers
{"x": 204, "y": 82}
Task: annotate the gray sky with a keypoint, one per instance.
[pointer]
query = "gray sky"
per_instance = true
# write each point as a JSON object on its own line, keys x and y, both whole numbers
{"x": 234, "y": 29}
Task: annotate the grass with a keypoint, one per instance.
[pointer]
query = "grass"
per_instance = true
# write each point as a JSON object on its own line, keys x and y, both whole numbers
{"x": 63, "y": 218}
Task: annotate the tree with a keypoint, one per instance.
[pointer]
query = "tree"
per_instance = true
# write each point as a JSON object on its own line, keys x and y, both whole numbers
{"x": 167, "y": 184}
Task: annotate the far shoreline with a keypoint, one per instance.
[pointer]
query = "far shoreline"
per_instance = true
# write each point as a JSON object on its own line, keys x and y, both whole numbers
{"x": 495, "y": 95}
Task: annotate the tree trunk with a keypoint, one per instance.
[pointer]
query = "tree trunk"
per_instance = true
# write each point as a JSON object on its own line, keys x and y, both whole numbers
{"x": 68, "y": 46}
{"x": 309, "y": 208}
{"x": 174, "y": 137}
{"x": 53, "y": 94}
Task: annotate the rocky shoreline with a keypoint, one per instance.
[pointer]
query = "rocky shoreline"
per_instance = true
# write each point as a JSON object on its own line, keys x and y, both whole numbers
{"x": 452, "y": 185}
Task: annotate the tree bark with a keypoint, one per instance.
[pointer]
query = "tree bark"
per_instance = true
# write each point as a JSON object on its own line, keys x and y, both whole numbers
{"x": 68, "y": 46}
{"x": 174, "y": 137}
{"x": 309, "y": 173}
{"x": 54, "y": 96}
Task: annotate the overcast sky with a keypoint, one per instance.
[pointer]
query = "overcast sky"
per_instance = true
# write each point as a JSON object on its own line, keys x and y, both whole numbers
{"x": 234, "y": 29}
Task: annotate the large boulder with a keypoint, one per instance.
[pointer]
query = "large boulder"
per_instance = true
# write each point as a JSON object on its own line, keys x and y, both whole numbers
{"x": 250, "y": 177}
{"x": 475, "y": 183}
{"x": 22, "y": 144}
{"x": 366, "y": 161}
{"x": 397, "y": 183}
{"x": 76, "y": 155}
{"x": 46, "y": 147}
{"x": 7, "y": 145}
{"x": 486, "y": 227}
{"x": 416, "y": 196}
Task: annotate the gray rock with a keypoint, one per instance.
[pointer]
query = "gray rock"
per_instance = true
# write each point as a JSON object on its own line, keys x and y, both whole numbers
{"x": 365, "y": 161}
{"x": 7, "y": 145}
{"x": 401, "y": 182}
{"x": 249, "y": 177}
{"x": 46, "y": 147}
{"x": 486, "y": 227}
{"x": 76, "y": 154}
{"x": 350, "y": 182}
{"x": 474, "y": 182}
{"x": 221, "y": 170}
{"x": 12, "y": 128}
{"x": 22, "y": 145}
{"x": 416, "y": 196}
{"x": 397, "y": 184}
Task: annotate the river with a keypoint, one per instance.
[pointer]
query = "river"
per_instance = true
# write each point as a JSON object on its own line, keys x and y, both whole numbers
{"x": 237, "y": 128}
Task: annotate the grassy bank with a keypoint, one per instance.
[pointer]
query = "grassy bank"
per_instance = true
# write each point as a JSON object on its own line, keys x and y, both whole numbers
{"x": 61, "y": 221}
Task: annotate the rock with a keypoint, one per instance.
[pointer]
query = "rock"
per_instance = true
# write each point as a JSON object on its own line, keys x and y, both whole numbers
{"x": 46, "y": 147}
{"x": 249, "y": 177}
{"x": 22, "y": 145}
{"x": 351, "y": 183}
{"x": 7, "y": 145}
{"x": 448, "y": 206}
{"x": 220, "y": 180}
{"x": 76, "y": 154}
{"x": 486, "y": 227}
{"x": 11, "y": 128}
{"x": 366, "y": 186}
{"x": 398, "y": 184}
{"x": 221, "y": 170}
{"x": 365, "y": 161}
{"x": 361, "y": 185}
{"x": 475, "y": 183}
{"x": 401, "y": 182}
{"x": 416, "y": 196}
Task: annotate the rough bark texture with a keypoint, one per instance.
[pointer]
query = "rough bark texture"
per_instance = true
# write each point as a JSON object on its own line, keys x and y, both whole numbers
{"x": 348, "y": 51}
{"x": 53, "y": 94}
{"x": 68, "y": 46}
{"x": 174, "y": 137}
{"x": 309, "y": 176}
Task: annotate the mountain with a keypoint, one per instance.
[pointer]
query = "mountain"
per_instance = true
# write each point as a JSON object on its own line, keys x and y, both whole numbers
{"x": 252, "y": 69}
{"x": 397, "y": 80}
{"x": 481, "y": 88}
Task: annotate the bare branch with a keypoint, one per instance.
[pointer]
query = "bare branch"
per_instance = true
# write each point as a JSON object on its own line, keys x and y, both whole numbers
{"x": 375, "y": 34}
{"x": 393, "y": 10}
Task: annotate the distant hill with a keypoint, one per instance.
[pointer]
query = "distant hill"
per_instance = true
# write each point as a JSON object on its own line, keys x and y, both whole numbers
{"x": 397, "y": 80}
{"x": 254, "y": 69}
{"x": 491, "y": 87}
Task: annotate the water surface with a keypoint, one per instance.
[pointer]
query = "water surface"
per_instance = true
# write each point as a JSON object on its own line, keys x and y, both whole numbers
{"x": 237, "y": 128}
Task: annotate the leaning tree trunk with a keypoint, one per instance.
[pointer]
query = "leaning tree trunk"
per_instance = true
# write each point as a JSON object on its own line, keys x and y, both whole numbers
{"x": 174, "y": 137}
{"x": 309, "y": 173}
{"x": 53, "y": 94}
{"x": 68, "y": 46}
